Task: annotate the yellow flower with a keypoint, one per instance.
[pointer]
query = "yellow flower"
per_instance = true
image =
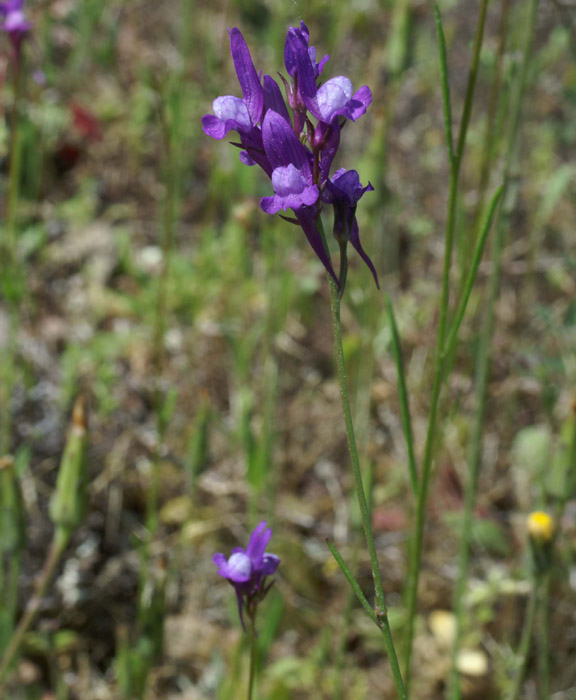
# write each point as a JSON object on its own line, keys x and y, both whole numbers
{"x": 540, "y": 527}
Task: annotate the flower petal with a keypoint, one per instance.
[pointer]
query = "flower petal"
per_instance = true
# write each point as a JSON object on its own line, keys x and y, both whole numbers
{"x": 273, "y": 98}
{"x": 247, "y": 76}
{"x": 238, "y": 569}
{"x": 257, "y": 544}
{"x": 332, "y": 98}
{"x": 269, "y": 564}
{"x": 306, "y": 218}
{"x": 282, "y": 145}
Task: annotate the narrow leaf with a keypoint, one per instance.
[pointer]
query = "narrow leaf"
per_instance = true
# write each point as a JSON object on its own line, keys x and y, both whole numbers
{"x": 352, "y": 581}
{"x": 480, "y": 244}
{"x": 403, "y": 395}
{"x": 442, "y": 57}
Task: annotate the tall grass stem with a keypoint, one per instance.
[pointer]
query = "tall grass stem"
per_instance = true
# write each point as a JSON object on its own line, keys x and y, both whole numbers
{"x": 483, "y": 357}
{"x": 416, "y": 543}
{"x": 380, "y": 603}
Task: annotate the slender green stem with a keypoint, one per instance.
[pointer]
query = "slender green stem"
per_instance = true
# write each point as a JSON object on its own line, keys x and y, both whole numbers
{"x": 380, "y": 603}
{"x": 403, "y": 394}
{"x": 8, "y": 253}
{"x": 478, "y": 251}
{"x": 524, "y": 647}
{"x": 544, "y": 638}
{"x": 415, "y": 554}
{"x": 54, "y": 554}
{"x": 353, "y": 583}
{"x": 483, "y": 359}
{"x": 252, "y": 671}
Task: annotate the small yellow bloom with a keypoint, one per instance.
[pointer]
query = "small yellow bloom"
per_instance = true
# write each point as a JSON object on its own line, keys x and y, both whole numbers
{"x": 540, "y": 527}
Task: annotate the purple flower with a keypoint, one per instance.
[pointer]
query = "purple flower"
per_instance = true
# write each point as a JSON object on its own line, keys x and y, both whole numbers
{"x": 344, "y": 191}
{"x": 15, "y": 23}
{"x": 295, "y": 140}
{"x": 333, "y": 99}
{"x": 247, "y": 570}
{"x": 233, "y": 113}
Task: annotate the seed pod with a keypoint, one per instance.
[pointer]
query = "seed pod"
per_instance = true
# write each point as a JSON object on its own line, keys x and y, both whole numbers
{"x": 68, "y": 503}
{"x": 11, "y": 509}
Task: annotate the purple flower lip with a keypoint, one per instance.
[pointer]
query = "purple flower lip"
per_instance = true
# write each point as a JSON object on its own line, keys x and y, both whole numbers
{"x": 292, "y": 188}
{"x": 247, "y": 569}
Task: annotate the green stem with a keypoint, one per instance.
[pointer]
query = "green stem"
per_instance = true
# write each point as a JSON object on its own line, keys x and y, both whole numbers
{"x": 252, "y": 657}
{"x": 415, "y": 554}
{"x": 8, "y": 250}
{"x": 524, "y": 648}
{"x": 380, "y": 602}
{"x": 55, "y": 553}
{"x": 483, "y": 362}
{"x": 544, "y": 638}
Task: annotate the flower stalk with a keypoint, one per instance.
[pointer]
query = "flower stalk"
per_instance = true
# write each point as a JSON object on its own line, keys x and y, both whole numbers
{"x": 379, "y": 612}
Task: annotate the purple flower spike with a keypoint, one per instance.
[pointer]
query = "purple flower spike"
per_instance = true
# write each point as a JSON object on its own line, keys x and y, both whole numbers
{"x": 295, "y": 140}
{"x": 344, "y": 191}
{"x": 247, "y": 570}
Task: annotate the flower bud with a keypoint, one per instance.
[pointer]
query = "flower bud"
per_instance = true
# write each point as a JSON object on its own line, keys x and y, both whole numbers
{"x": 541, "y": 529}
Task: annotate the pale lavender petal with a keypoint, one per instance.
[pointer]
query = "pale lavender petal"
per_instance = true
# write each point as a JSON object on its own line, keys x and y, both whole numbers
{"x": 332, "y": 98}
{"x": 306, "y": 198}
{"x": 288, "y": 180}
{"x": 238, "y": 568}
{"x": 247, "y": 76}
{"x": 229, "y": 108}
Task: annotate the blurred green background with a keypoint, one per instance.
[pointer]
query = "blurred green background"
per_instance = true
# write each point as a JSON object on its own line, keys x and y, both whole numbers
{"x": 198, "y": 328}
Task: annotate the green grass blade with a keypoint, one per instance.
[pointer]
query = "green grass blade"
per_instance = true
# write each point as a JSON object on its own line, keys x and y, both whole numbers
{"x": 403, "y": 396}
{"x": 446, "y": 101}
{"x": 478, "y": 251}
{"x": 353, "y": 583}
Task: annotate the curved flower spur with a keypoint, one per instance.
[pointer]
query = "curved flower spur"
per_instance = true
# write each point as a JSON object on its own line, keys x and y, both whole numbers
{"x": 295, "y": 141}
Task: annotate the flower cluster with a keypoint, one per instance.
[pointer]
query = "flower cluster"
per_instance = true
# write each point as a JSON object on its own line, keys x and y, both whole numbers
{"x": 14, "y": 22}
{"x": 294, "y": 140}
{"x": 247, "y": 570}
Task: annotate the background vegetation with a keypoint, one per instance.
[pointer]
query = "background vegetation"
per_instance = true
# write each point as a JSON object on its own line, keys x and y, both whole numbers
{"x": 198, "y": 330}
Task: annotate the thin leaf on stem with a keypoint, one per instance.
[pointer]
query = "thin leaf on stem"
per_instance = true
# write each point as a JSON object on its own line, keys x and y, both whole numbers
{"x": 403, "y": 395}
{"x": 476, "y": 258}
{"x": 446, "y": 101}
{"x": 352, "y": 581}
